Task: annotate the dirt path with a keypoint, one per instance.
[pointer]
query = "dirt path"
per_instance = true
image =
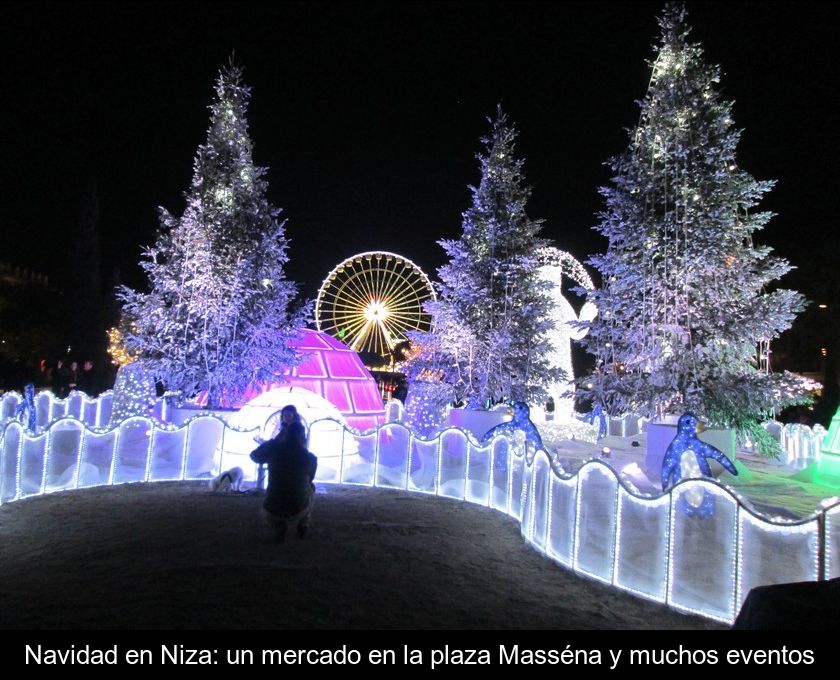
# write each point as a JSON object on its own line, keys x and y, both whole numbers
{"x": 175, "y": 556}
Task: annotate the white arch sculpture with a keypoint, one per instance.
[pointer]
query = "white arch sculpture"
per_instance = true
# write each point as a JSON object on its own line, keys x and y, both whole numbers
{"x": 555, "y": 264}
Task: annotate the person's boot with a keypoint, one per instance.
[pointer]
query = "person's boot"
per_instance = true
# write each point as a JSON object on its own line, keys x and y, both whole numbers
{"x": 302, "y": 530}
{"x": 279, "y": 532}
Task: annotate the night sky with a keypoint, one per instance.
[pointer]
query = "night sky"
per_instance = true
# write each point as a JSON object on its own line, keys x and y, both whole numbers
{"x": 368, "y": 116}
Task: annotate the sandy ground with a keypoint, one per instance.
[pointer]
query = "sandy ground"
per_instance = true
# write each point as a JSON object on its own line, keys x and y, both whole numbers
{"x": 176, "y": 556}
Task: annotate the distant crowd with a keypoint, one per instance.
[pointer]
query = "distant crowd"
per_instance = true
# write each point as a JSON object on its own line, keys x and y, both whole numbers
{"x": 61, "y": 376}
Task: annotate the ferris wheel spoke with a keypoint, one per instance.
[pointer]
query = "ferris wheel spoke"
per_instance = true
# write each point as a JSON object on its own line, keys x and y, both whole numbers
{"x": 352, "y": 338}
{"x": 351, "y": 308}
{"x": 344, "y": 310}
{"x": 360, "y": 289}
{"x": 356, "y": 278}
{"x": 375, "y": 339}
{"x": 406, "y": 322}
{"x": 353, "y": 289}
{"x": 356, "y": 284}
{"x": 395, "y": 333}
{"x": 385, "y": 329}
{"x": 387, "y": 277}
{"x": 369, "y": 278}
{"x": 349, "y": 320}
{"x": 362, "y": 335}
{"x": 405, "y": 306}
{"x": 350, "y": 329}
{"x": 395, "y": 287}
{"x": 402, "y": 297}
{"x": 416, "y": 324}
{"x": 387, "y": 342}
{"x": 343, "y": 291}
{"x": 380, "y": 276}
{"x": 353, "y": 324}
{"x": 403, "y": 313}
{"x": 396, "y": 295}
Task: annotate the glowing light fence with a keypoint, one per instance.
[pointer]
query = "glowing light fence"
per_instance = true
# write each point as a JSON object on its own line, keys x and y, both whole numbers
{"x": 70, "y": 455}
{"x": 92, "y": 411}
{"x": 95, "y": 412}
{"x": 800, "y": 443}
{"x": 697, "y": 548}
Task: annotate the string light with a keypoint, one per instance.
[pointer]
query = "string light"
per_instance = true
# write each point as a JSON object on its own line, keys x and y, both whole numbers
{"x": 120, "y": 356}
{"x": 567, "y": 486}
{"x": 134, "y": 392}
{"x": 677, "y": 597}
{"x": 831, "y": 541}
{"x": 758, "y": 531}
{"x": 630, "y": 535}
{"x": 583, "y": 475}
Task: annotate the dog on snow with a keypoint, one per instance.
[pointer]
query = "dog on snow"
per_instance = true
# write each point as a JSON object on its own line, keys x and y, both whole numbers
{"x": 227, "y": 481}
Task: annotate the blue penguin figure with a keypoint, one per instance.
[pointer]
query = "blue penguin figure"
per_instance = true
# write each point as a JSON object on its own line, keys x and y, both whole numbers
{"x": 687, "y": 440}
{"x": 521, "y": 421}
{"x": 672, "y": 465}
{"x": 25, "y": 411}
{"x": 597, "y": 412}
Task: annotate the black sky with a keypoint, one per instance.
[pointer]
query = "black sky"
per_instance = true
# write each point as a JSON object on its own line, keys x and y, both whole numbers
{"x": 368, "y": 116}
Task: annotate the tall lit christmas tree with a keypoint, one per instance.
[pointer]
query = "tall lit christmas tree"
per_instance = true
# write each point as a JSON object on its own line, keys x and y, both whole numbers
{"x": 685, "y": 307}
{"x": 491, "y": 317}
{"x": 219, "y": 313}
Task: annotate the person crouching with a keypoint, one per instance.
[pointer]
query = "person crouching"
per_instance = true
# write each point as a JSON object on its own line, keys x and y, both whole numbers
{"x": 291, "y": 471}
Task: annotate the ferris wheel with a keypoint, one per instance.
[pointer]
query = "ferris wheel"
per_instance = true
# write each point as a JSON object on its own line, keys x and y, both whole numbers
{"x": 370, "y": 300}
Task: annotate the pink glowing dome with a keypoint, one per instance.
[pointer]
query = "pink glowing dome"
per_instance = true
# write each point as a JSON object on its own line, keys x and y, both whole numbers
{"x": 333, "y": 371}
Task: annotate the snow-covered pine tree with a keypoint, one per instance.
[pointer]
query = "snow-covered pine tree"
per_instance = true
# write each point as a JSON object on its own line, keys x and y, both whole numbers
{"x": 685, "y": 302}
{"x": 491, "y": 316}
{"x": 220, "y": 313}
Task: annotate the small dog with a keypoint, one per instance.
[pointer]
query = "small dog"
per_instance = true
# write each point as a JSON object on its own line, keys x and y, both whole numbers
{"x": 227, "y": 481}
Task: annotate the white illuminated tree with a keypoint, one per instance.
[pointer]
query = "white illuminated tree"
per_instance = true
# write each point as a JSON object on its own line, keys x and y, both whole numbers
{"x": 491, "y": 318}
{"x": 220, "y": 313}
{"x": 686, "y": 298}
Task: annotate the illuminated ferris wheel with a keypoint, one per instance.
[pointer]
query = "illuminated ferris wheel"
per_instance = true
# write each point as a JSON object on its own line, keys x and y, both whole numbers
{"x": 370, "y": 300}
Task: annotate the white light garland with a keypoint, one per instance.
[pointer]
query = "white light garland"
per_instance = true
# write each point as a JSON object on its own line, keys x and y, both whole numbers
{"x": 583, "y": 474}
{"x": 625, "y": 496}
{"x": 686, "y": 486}
{"x": 768, "y": 528}
{"x": 831, "y": 542}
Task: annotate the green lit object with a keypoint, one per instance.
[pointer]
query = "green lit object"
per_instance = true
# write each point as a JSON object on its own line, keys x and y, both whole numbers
{"x": 828, "y": 468}
{"x": 342, "y": 333}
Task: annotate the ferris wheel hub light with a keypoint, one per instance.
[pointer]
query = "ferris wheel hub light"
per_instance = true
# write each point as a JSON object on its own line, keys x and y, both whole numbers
{"x": 376, "y": 311}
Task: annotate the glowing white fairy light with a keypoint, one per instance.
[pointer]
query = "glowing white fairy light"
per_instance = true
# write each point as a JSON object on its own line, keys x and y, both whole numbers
{"x": 79, "y": 460}
{"x": 47, "y": 451}
{"x": 549, "y": 514}
{"x": 149, "y": 451}
{"x": 625, "y": 497}
{"x": 809, "y": 528}
{"x": 588, "y": 469}
{"x": 672, "y": 600}
{"x": 18, "y": 471}
{"x": 831, "y": 526}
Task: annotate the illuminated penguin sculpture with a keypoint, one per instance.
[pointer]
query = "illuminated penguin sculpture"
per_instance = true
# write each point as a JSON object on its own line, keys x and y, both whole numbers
{"x": 25, "y": 412}
{"x": 597, "y": 413}
{"x": 521, "y": 421}
{"x": 687, "y": 456}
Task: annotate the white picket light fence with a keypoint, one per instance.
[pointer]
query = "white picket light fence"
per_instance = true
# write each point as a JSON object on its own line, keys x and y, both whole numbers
{"x": 593, "y": 522}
